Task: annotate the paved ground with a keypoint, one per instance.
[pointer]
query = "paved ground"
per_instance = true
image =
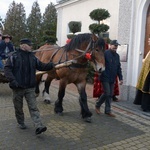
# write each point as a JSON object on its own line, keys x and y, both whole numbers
{"x": 130, "y": 130}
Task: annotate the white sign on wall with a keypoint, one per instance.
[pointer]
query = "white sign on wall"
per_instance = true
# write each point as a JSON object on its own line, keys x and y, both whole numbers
{"x": 123, "y": 52}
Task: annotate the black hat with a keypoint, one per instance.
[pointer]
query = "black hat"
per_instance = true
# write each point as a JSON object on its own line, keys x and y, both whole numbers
{"x": 6, "y": 36}
{"x": 25, "y": 41}
{"x": 114, "y": 42}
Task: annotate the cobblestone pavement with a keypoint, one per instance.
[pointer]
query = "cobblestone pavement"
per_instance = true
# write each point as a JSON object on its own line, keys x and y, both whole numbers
{"x": 130, "y": 130}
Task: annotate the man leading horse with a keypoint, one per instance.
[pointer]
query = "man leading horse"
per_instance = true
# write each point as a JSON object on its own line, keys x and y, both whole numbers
{"x": 20, "y": 70}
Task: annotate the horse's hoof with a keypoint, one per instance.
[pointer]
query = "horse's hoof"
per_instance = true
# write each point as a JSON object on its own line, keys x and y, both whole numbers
{"x": 59, "y": 113}
{"x": 36, "y": 94}
{"x": 87, "y": 119}
{"x": 46, "y": 101}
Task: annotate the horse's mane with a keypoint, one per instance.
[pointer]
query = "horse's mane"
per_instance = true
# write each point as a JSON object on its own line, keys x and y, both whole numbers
{"x": 77, "y": 40}
{"x": 101, "y": 43}
{"x": 80, "y": 39}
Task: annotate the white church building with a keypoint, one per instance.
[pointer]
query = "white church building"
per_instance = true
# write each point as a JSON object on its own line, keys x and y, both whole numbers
{"x": 129, "y": 23}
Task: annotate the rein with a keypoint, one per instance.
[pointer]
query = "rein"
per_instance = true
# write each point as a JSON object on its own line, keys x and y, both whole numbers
{"x": 77, "y": 65}
{"x": 82, "y": 51}
{"x": 70, "y": 63}
{"x": 48, "y": 49}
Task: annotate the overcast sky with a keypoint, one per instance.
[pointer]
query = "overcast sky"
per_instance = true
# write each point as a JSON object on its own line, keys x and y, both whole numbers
{"x": 4, "y": 5}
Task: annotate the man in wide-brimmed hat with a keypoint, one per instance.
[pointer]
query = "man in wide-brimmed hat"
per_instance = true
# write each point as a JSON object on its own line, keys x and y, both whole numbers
{"x": 6, "y": 36}
{"x": 5, "y": 47}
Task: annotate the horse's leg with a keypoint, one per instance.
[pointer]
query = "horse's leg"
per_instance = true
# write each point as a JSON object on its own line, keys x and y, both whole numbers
{"x": 85, "y": 112}
{"x": 58, "y": 104}
{"x": 38, "y": 80}
{"x": 46, "y": 94}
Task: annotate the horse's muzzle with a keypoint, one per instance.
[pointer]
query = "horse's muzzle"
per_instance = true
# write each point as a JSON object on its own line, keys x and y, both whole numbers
{"x": 101, "y": 70}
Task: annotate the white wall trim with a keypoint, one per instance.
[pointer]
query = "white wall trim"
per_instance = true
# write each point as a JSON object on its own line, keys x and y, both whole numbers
{"x": 135, "y": 58}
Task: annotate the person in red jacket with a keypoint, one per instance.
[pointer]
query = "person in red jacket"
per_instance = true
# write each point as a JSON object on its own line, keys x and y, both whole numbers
{"x": 98, "y": 90}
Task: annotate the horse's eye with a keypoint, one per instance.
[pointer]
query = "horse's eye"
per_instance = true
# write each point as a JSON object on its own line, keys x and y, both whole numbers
{"x": 96, "y": 50}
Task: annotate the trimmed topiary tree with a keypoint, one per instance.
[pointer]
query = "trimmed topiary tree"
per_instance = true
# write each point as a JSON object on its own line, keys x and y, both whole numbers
{"x": 74, "y": 26}
{"x": 99, "y": 15}
{"x": 97, "y": 28}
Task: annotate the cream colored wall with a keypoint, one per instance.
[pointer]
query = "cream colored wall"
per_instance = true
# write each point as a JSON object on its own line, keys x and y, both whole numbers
{"x": 137, "y": 41}
{"x": 79, "y": 10}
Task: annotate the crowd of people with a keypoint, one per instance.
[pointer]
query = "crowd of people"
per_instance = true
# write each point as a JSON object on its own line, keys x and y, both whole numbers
{"x": 20, "y": 67}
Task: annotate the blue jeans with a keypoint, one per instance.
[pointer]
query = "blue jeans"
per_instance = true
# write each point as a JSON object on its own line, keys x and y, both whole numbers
{"x": 106, "y": 96}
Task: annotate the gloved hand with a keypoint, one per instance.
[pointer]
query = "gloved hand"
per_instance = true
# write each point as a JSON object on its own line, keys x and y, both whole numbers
{"x": 52, "y": 65}
{"x": 14, "y": 84}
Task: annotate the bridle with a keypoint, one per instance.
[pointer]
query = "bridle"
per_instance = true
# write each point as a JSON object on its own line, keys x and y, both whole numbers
{"x": 89, "y": 50}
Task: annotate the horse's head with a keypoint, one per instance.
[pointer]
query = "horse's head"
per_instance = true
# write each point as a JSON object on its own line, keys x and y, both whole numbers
{"x": 95, "y": 53}
{"x": 90, "y": 47}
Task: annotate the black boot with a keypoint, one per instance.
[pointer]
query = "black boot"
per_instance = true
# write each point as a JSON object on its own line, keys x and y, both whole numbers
{"x": 115, "y": 99}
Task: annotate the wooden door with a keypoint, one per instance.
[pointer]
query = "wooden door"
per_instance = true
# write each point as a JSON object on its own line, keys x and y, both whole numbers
{"x": 147, "y": 34}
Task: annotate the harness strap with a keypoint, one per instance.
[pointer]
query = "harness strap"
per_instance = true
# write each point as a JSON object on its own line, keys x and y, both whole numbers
{"x": 54, "y": 53}
{"x": 77, "y": 65}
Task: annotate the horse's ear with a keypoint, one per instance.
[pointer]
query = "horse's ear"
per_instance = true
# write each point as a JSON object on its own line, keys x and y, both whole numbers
{"x": 94, "y": 37}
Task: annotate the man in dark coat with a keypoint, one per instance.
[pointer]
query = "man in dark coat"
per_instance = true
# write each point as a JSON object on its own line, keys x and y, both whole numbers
{"x": 20, "y": 70}
{"x": 112, "y": 69}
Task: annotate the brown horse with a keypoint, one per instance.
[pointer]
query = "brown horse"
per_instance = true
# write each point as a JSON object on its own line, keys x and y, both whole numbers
{"x": 74, "y": 58}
